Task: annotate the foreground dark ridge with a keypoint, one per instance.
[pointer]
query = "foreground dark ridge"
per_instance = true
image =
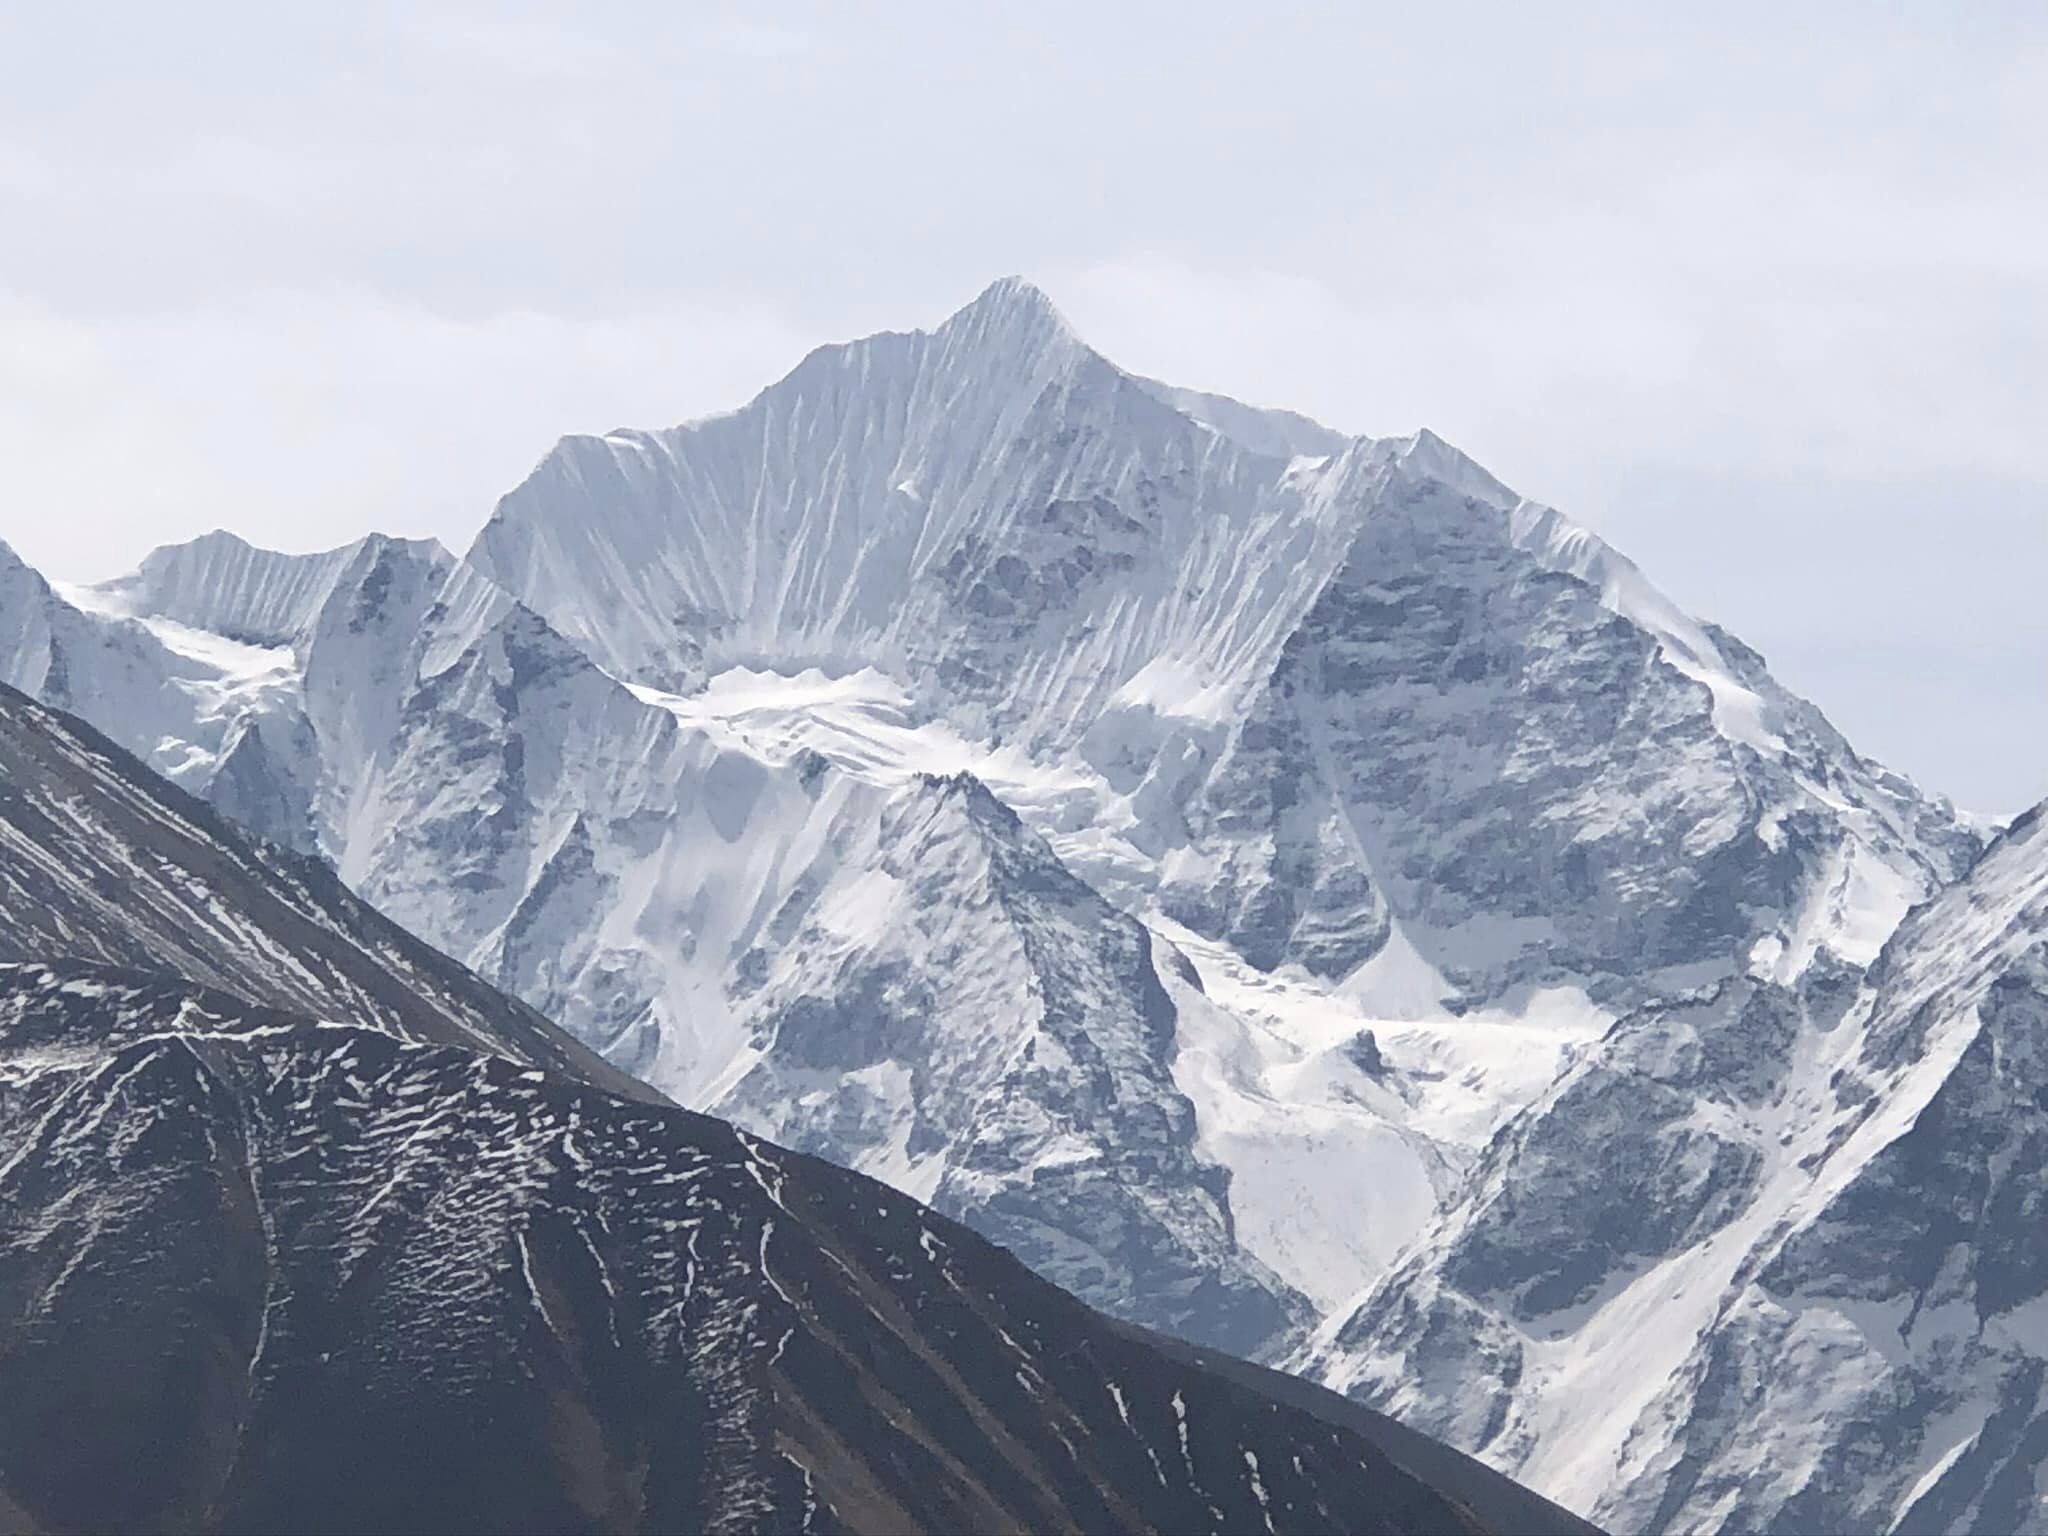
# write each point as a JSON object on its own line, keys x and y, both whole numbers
{"x": 101, "y": 860}
{"x": 276, "y": 1275}
{"x": 264, "y": 1272}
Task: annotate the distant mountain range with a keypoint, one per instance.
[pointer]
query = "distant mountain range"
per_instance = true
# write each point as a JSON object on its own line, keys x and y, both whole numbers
{"x": 1289, "y": 889}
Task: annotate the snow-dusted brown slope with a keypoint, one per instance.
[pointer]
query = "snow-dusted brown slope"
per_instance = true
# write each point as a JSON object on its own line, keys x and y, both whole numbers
{"x": 101, "y": 860}
{"x": 262, "y": 1274}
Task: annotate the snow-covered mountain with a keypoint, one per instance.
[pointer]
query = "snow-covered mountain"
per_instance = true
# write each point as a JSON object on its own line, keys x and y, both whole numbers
{"x": 889, "y": 968}
{"x": 1771, "y": 1258}
{"x": 1318, "y": 697}
{"x": 405, "y": 1262}
{"x": 1176, "y": 838}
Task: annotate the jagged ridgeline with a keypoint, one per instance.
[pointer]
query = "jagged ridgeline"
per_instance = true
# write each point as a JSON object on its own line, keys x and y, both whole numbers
{"x": 1237, "y": 866}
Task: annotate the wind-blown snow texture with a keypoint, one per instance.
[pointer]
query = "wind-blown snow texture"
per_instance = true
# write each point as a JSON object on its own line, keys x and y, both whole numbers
{"x": 1418, "y": 788}
{"x": 264, "y": 1272}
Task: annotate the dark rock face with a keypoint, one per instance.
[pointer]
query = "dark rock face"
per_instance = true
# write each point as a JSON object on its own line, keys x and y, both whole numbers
{"x": 1603, "y": 1202}
{"x": 1538, "y": 790}
{"x": 1294, "y": 883}
{"x": 263, "y": 1270}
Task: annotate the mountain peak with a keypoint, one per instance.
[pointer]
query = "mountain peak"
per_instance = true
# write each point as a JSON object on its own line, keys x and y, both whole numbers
{"x": 1011, "y": 314}
{"x": 1427, "y": 454}
{"x": 223, "y": 583}
{"x": 10, "y": 561}
{"x": 1012, "y": 295}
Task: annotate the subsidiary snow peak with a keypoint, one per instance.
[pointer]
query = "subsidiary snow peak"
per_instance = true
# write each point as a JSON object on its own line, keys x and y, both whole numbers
{"x": 222, "y": 584}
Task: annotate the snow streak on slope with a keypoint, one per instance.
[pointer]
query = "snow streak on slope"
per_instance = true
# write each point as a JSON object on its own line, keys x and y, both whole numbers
{"x": 185, "y": 697}
{"x": 253, "y": 595}
{"x": 1346, "y": 1120}
{"x": 968, "y": 1017}
{"x": 889, "y": 968}
{"x": 1332, "y": 1166}
{"x": 201, "y": 662}
{"x": 939, "y": 504}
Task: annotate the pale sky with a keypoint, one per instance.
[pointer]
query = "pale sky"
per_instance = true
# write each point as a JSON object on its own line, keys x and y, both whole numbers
{"x": 1761, "y": 295}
